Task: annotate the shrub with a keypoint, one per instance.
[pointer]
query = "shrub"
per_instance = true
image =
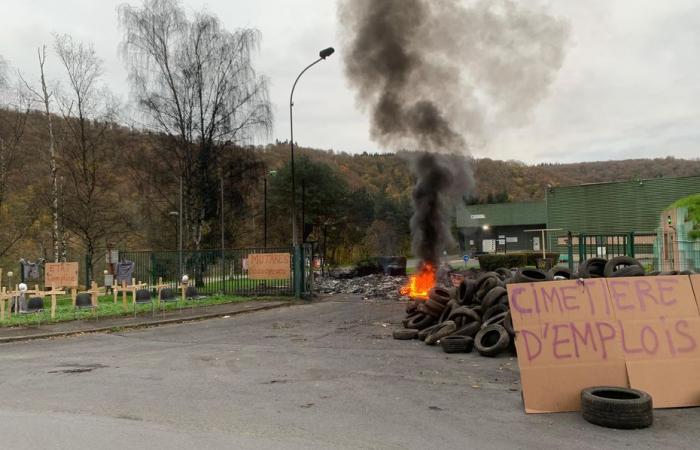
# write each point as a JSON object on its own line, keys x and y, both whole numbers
{"x": 493, "y": 262}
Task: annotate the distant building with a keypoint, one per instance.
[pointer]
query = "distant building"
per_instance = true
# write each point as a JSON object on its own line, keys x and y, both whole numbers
{"x": 602, "y": 213}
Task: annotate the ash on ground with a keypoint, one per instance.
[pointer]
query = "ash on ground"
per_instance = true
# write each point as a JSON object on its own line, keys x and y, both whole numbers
{"x": 369, "y": 287}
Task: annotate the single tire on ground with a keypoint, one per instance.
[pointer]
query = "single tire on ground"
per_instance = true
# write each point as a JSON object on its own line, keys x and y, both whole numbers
{"x": 616, "y": 407}
{"x": 405, "y": 334}
{"x": 619, "y": 263}
{"x": 457, "y": 344}
{"x": 492, "y": 340}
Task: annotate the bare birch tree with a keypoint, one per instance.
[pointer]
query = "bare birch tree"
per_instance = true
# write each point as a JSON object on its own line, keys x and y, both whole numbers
{"x": 195, "y": 82}
{"x": 44, "y": 96}
{"x": 88, "y": 111}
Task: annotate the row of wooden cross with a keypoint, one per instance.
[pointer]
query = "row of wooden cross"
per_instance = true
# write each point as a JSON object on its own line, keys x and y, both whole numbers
{"x": 6, "y": 296}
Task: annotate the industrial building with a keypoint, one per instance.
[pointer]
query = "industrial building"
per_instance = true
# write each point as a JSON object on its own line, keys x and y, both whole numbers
{"x": 602, "y": 211}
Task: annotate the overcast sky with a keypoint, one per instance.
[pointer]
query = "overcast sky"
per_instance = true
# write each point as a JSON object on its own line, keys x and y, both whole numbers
{"x": 629, "y": 86}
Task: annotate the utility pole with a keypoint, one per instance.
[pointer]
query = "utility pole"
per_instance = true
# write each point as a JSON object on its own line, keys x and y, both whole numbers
{"x": 179, "y": 245}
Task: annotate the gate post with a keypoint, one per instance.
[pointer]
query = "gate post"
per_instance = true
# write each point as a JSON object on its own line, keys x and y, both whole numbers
{"x": 630, "y": 244}
{"x": 570, "y": 250}
{"x": 298, "y": 259}
{"x": 581, "y": 248}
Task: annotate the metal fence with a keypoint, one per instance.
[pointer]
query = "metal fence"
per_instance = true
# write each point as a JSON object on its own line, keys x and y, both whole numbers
{"x": 576, "y": 248}
{"x": 677, "y": 255}
{"x": 214, "y": 271}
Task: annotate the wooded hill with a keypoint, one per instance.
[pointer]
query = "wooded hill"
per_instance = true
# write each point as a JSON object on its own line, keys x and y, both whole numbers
{"x": 361, "y": 202}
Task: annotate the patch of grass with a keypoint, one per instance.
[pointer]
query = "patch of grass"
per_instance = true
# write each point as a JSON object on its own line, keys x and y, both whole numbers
{"x": 65, "y": 311}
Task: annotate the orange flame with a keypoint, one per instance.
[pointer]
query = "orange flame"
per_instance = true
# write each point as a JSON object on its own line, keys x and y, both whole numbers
{"x": 419, "y": 284}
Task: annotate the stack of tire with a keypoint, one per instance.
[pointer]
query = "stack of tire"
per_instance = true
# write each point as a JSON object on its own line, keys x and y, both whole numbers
{"x": 476, "y": 315}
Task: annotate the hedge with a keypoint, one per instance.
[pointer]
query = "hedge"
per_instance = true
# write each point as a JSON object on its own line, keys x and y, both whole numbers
{"x": 493, "y": 262}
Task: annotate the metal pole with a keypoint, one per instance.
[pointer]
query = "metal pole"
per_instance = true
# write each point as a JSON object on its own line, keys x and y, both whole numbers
{"x": 544, "y": 247}
{"x": 295, "y": 241}
{"x": 179, "y": 245}
{"x": 303, "y": 210}
{"x": 265, "y": 214}
{"x": 223, "y": 242}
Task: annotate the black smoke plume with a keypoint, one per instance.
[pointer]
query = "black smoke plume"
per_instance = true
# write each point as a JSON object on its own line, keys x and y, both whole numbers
{"x": 439, "y": 77}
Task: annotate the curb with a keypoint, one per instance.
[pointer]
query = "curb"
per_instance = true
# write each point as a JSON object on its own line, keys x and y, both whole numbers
{"x": 150, "y": 324}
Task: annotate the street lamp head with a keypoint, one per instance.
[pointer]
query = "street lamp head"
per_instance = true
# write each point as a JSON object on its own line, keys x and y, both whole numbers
{"x": 174, "y": 213}
{"x": 326, "y": 53}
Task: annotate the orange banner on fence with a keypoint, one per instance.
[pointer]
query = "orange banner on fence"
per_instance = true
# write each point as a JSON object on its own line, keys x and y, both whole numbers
{"x": 269, "y": 266}
{"x": 637, "y": 332}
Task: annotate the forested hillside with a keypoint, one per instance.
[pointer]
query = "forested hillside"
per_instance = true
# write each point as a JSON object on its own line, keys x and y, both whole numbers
{"x": 359, "y": 203}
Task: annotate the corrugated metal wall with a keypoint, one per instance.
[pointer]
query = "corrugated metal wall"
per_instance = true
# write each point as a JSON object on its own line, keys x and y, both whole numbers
{"x": 616, "y": 207}
{"x": 501, "y": 214}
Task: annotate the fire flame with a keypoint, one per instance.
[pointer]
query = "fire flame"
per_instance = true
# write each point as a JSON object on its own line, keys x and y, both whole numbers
{"x": 419, "y": 284}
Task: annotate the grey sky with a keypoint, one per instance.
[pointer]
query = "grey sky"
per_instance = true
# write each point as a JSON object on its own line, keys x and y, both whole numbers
{"x": 629, "y": 86}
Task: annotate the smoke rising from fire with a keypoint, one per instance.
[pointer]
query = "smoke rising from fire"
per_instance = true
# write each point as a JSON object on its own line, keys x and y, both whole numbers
{"x": 440, "y": 77}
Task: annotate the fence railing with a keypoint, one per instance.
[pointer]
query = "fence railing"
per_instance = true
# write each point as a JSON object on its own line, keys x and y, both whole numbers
{"x": 214, "y": 271}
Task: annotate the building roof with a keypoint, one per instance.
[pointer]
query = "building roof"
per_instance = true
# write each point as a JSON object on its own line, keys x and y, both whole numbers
{"x": 502, "y": 214}
{"x": 616, "y": 207}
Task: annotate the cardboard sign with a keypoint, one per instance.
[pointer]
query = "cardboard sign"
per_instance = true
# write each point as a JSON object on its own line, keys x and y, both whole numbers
{"x": 269, "y": 266}
{"x": 639, "y": 332}
{"x": 61, "y": 274}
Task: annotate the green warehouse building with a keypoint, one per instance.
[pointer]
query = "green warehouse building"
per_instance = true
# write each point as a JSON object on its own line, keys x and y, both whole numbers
{"x": 601, "y": 216}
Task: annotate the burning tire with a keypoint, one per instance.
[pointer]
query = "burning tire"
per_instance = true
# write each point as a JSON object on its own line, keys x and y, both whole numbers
{"x": 457, "y": 344}
{"x": 616, "y": 407}
{"x": 492, "y": 340}
{"x": 405, "y": 335}
{"x": 623, "y": 266}
{"x": 439, "y": 295}
{"x": 592, "y": 268}
{"x": 420, "y": 321}
{"x": 445, "y": 329}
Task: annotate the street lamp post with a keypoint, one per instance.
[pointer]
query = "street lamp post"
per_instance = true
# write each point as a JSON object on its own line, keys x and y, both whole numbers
{"x": 322, "y": 56}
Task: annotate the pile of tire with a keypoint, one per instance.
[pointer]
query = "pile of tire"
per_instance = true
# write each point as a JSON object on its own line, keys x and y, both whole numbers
{"x": 476, "y": 315}
{"x": 473, "y": 316}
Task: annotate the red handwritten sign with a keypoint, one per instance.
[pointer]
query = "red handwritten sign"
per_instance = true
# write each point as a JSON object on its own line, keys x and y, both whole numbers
{"x": 595, "y": 331}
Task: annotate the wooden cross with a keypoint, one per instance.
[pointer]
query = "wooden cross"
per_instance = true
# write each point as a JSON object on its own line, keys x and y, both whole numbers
{"x": 124, "y": 289}
{"x": 4, "y": 297}
{"x": 159, "y": 287}
{"x": 94, "y": 292}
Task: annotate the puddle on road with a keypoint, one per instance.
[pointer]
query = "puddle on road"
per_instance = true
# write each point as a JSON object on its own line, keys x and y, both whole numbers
{"x": 78, "y": 368}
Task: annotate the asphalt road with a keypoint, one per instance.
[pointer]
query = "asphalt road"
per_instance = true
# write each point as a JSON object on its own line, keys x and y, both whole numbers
{"x": 318, "y": 376}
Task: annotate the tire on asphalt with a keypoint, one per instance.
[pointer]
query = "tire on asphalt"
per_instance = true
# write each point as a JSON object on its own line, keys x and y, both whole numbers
{"x": 439, "y": 295}
{"x": 492, "y": 340}
{"x": 457, "y": 344}
{"x": 445, "y": 329}
{"x": 615, "y": 407}
{"x": 619, "y": 263}
{"x": 405, "y": 334}
{"x": 424, "y": 333}
{"x": 420, "y": 321}
{"x": 592, "y": 268}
